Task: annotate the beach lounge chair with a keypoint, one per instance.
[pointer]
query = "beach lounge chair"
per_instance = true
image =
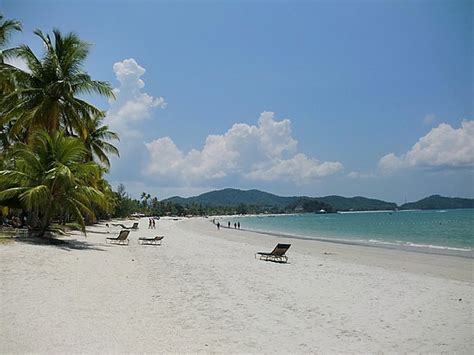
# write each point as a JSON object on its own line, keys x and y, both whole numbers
{"x": 277, "y": 255}
{"x": 134, "y": 227}
{"x": 119, "y": 225}
{"x": 121, "y": 239}
{"x": 155, "y": 240}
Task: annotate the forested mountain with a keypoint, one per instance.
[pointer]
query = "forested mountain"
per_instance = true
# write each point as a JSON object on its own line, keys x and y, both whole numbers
{"x": 439, "y": 202}
{"x": 235, "y": 197}
{"x": 357, "y": 203}
{"x": 263, "y": 201}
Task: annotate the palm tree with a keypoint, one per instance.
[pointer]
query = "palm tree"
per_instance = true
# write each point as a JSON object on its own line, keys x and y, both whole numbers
{"x": 94, "y": 136}
{"x": 145, "y": 197}
{"x": 51, "y": 178}
{"x": 47, "y": 96}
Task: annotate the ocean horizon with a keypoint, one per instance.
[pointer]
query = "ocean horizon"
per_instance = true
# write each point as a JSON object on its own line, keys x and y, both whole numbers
{"x": 447, "y": 232}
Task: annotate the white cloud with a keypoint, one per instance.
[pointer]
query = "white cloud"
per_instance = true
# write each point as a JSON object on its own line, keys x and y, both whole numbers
{"x": 443, "y": 147}
{"x": 131, "y": 104}
{"x": 265, "y": 152}
{"x": 299, "y": 169}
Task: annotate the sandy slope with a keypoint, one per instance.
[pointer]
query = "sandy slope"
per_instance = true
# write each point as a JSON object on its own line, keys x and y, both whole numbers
{"x": 203, "y": 291}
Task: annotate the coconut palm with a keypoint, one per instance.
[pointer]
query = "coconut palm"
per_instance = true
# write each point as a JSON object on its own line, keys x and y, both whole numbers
{"x": 94, "y": 136}
{"x": 47, "y": 96}
{"x": 51, "y": 178}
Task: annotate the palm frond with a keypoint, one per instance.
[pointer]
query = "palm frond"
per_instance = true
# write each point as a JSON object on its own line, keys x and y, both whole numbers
{"x": 33, "y": 63}
{"x": 7, "y": 28}
{"x": 89, "y": 86}
{"x": 72, "y": 207}
{"x": 35, "y": 197}
{"x": 10, "y": 193}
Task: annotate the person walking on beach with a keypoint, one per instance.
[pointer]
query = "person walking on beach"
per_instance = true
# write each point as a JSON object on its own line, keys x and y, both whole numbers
{"x": 238, "y": 225}
{"x": 218, "y": 226}
{"x": 235, "y": 225}
{"x": 149, "y": 223}
{"x": 153, "y": 220}
{"x": 228, "y": 224}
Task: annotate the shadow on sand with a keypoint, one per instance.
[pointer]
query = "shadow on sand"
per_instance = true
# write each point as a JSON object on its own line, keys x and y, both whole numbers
{"x": 67, "y": 245}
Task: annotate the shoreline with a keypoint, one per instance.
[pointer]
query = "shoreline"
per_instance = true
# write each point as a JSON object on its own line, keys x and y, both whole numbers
{"x": 464, "y": 251}
{"x": 423, "y": 249}
{"x": 435, "y": 264}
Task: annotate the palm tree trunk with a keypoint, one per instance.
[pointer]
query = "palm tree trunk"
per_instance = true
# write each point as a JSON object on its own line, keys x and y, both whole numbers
{"x": 44, "y": 222}
{"x": 54, "y": 118}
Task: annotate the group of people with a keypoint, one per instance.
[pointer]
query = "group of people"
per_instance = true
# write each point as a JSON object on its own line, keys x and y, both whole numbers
{"x": 218, "y": 224}
{"x": 151, "y": 223}
{"x": 236, "y": 225}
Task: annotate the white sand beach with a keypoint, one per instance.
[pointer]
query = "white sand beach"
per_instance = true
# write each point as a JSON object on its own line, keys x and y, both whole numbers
{"x": 203, "y": 291}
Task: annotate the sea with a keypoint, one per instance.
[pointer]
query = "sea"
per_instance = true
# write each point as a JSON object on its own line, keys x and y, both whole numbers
{"x": 448, "y": 232}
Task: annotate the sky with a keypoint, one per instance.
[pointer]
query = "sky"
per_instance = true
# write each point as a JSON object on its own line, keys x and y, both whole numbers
{"x": 315, "y": 98}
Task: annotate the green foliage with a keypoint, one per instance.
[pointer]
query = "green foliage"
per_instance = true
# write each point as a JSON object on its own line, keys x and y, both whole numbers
{"x": 95, "y": 137}
{"x": 151, "y": 206}
{"x": 51, "y": 178}
{"x": 47, "y": 96}
{"x": 49, "y": 137}
{"x": 124, "y": 205}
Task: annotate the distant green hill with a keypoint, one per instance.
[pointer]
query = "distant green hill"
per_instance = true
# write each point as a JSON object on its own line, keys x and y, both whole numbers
{"x": 266, "y": 201}
{"x": 357, "y": 203}
{"x": 437, "y": 202}
{"x": 235, "y": 197}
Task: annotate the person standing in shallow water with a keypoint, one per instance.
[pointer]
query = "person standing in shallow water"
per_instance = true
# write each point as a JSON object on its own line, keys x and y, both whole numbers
{"x": 218, "y": 226}
{"x": 228, "y": 224}
{"x": 238, "y": 225}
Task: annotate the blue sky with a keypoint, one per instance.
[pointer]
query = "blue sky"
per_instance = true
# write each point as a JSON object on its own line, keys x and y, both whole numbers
{"x": 371, "y": 98}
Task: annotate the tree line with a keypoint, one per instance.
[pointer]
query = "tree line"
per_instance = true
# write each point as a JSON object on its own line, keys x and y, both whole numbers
{"x": 151, "y": 206}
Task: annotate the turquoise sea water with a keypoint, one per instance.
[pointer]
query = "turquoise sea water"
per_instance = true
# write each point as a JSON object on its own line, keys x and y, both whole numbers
{"x": 444, "y": 229}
